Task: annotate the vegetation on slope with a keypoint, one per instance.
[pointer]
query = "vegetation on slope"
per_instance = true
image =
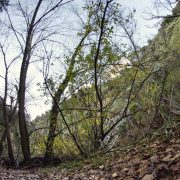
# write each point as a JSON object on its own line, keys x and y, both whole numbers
{"x": 154, "y": 99}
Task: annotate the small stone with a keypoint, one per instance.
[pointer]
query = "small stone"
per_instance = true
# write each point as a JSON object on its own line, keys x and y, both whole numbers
{"x": 102, "y": 178}
{"x": 125, "y": 169}
{"x": 101, "y": 167}
{"x": 115, "y": 175}
{"x": 148, "y": 177}
{"x": 93, "y": 176}
{"x": 65, "y": 178}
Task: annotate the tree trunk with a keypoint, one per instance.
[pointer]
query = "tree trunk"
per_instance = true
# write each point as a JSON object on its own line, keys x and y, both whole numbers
{"x": 6, "y": 118}
{"x": 1, "y": 142}
{"x": 22, "y": 118}
{"x": 8, "y": 135}
{"x": 22, "y": 89}
{"x": 51, "y": 136}
{"x": 56, "y": 98}
{"x": 10, "y": 147}
{"x": 53, "y": 119}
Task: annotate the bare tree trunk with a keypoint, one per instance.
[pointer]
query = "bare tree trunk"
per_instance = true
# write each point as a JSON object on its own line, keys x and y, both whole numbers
{"x": 22, "y": 89}
{"x": 10, "y": 147}
{"x": 8, "y": 135}
{"x": 5, "y": 111}
{"x": 10, "y": 121}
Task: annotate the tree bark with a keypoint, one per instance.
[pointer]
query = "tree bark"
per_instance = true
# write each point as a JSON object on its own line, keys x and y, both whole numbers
{"x": 1, "y": 142}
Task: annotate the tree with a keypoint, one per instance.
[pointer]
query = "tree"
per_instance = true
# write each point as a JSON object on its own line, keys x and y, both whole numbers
{"x": 33, "y": 22}
{"x": 8, "y": 111}
{"x": 57, "y": 95}
{"x": 107, "y": 17}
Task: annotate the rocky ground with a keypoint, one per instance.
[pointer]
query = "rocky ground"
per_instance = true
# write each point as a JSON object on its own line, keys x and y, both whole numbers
{"x": 159, "y": 160}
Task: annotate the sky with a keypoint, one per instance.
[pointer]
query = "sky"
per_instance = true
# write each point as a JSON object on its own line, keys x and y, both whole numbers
{"x": 36, "y": 103}
{"x": 146, "y": 29}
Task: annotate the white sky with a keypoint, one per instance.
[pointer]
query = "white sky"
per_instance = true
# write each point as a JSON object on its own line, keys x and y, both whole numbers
{"x": 145, "y": 27}
{"x": 145, "y": 31}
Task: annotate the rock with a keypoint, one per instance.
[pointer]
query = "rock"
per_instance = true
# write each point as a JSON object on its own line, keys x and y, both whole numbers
{"x": 102, "y": 179}
{"x": 94, "y": 177}
{"x": 115, "y": 175}
{"x": 148, "y": 177}
{"x": 65, "y": 178}
{"x": 126, "y": 169}
{"x": 101, "y": 167}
